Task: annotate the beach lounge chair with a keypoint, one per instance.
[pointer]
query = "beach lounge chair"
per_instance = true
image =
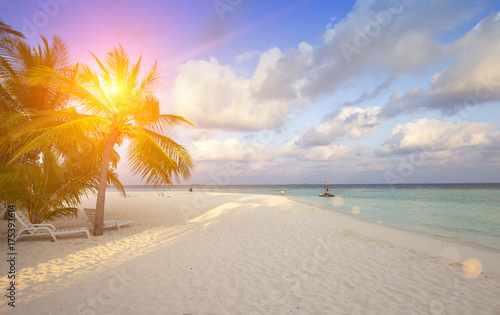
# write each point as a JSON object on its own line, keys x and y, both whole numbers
{"x": 30, "y": 229}
{"x": 107, "y": 223}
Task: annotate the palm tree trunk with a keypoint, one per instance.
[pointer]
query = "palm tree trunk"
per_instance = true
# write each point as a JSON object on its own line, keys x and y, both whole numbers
{"x": 103, "y": 177}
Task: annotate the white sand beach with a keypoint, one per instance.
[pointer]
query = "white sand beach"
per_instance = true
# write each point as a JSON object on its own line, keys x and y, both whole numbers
{"x": 217, "y": 253}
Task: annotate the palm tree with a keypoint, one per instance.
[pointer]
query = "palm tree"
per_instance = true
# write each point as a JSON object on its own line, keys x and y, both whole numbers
{"x": 44, "y": 185}
{"x": 115, "y": 106}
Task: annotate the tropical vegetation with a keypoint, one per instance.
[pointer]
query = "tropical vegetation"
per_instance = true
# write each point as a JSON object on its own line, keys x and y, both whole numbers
{"x": 63, "y": 122}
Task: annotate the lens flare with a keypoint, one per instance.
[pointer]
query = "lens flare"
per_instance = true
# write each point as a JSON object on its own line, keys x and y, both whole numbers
{"x": 472, "y": 267}
{"x": 355, "y": 210}
{"x": 337, "y": 201}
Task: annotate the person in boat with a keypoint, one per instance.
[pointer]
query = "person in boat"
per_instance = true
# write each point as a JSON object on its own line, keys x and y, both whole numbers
{"x": 326, "y": 188}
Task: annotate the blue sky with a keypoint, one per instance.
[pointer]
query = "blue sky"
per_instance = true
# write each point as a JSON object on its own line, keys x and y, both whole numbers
{"x": 305, "y": 91}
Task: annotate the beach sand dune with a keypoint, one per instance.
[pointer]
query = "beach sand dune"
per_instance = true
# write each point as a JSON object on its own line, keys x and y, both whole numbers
{"x": 216, "y": 253}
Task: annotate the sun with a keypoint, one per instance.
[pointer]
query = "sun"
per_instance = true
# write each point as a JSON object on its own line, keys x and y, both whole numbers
{"x": 111, "y": 90}
{"x": 114, "y": 89}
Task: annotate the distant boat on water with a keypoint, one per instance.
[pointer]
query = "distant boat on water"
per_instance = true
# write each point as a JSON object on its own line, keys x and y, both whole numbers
{"x": 326, "y": 193}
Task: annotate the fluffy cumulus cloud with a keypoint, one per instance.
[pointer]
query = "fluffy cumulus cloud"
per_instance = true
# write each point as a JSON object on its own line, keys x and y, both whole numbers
{"x": 473, "y": 80}
{"x": 214, "y": 96}
{"x": 429, "y": 135}
{"x": 384, "y": 36}
{"x": 230, "y": 149}
{"x": 352, "y": 122}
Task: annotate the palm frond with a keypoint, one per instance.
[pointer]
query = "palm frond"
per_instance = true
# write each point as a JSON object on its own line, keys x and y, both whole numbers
{"x": 46, "y": 190}
{"x": 147, "y": 115}
{"x": 150, "y": 81}
{"x": 7, "y": 30}
{"x": 90, "y": 102}
{"x": 15, "y": 181}
{"x": 147, "y": 157}
{"x": 178, "y": 153}
{"x": 7, "y": 102}
{"x": 146, "y": 111}
{"x": 131, "y": 84}
{"x": 105, "y": 73}
{"x": 119, "y": 64}
{"x": 165, "y": 122}
{"x": 56, "y": 213}
{"x": 113, "y": 180}
{"x": 93, "y": 89}
{"x": 158, "y": 158}
{"x": 59, "y": 135}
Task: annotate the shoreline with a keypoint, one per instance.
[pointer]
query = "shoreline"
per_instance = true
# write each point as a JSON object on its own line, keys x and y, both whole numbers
{"x": 229, "y": 253}
{"x": 433, "y": 245}
{"x": 397, "y": 228}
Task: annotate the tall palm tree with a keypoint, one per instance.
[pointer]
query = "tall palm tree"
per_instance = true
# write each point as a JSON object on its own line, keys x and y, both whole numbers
{"x": 48, "y": 183}
{"x": 115, "y": 106}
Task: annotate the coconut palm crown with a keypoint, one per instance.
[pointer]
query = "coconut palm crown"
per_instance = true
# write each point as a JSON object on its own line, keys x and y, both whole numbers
{"x": 114, "y": 106}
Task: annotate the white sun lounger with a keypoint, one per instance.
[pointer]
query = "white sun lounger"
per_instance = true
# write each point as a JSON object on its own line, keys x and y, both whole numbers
{"x": 30, "y": 229}
{"x": 107, "y": 223}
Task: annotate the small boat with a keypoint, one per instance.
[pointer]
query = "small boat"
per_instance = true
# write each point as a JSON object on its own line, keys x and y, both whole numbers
{"x": 326, "y": 195}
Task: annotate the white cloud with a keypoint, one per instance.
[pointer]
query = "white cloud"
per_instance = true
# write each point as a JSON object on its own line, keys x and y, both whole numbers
{"x": 246, "y": 56}
{"x": 474, "y": 78}
{"x": 353, "y": 122}
{"x": 230, "y": 149}
{"x": 429, "y": 135}
{"x": 279, "y": 75}
{"x": 214, "y": 96}
{"x": 378, "y": 37}
{"x": 332, "y": 152}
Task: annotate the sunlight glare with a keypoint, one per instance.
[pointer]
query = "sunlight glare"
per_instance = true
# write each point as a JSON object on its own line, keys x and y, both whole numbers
{"x": 472, "y": 267}
{"x": 111, "y": 89}
{"x": 114, "y": 89}
{"x": 355, "y": 210}
{"x": 337, "y": 201}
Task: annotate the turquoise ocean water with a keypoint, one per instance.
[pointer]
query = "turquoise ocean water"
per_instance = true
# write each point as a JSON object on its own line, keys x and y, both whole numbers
{"x": 463, "y": 212}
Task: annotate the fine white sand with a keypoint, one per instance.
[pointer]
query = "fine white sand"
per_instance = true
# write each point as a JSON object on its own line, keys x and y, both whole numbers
{"x": 215, "y": 253}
